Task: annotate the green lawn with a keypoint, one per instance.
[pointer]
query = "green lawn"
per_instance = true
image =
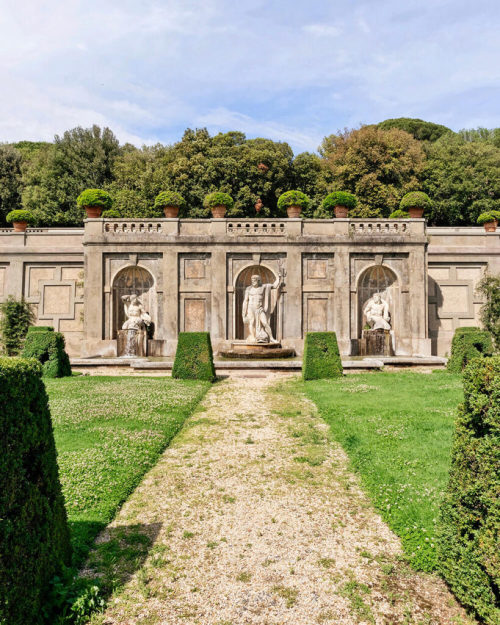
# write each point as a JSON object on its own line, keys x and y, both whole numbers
{"x": 397, "y": 429}
{"x": 109, "y": 431}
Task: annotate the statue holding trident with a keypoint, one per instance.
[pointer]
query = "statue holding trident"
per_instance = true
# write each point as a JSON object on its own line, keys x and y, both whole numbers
{"x": 258, "y": 307}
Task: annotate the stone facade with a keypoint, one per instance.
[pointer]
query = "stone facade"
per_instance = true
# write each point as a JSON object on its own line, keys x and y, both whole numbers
{"x": 192, "y": 275}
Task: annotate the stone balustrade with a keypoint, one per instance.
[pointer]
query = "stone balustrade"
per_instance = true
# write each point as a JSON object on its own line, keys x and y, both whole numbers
{"x": 131, "y": 227}
{"x": 380, "y": 227}
{"x": 256, "y": 228}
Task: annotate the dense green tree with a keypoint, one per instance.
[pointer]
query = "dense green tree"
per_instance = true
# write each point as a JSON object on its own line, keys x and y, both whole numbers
{"x": 308, "y": 175}
{"x": 54, "y": 177}
{"x": 418, "y": 128}
{"x": 10, "y": 180}
{"x": 463, "y": 179}
{"x": 198, "y": 164}
{"x": 377, "y": 166}
{"x": 488, "y": 135}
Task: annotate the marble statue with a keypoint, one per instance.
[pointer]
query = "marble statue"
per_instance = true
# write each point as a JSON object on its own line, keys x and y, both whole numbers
{"x": 137, "y": 317}
{"x": 377, "y": 313}
{"x": 258, "y": 307}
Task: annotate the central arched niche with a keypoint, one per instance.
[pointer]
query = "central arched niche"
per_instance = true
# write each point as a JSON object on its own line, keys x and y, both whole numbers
{"x": 130, "y": 280}
{"x": 378, "y": 279}
{"x": 244, "y": 280}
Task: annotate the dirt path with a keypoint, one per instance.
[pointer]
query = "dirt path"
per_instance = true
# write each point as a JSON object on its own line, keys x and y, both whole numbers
{"x": 251, "y": 517}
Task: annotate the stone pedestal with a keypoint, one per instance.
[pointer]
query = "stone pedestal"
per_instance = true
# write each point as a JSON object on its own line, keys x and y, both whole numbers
{"x": 256, "y": 351}
{"x": 376, "y": 343}
{"x": 132, "y": 343}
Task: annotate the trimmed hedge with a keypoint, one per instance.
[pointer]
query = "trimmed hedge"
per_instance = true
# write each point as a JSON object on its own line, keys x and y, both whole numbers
{"x": 19, "y": 215}
{"x": 194, "y": 357}
{"x": 218, "y": 198}
{"x": 339, "y": 198}
{"x": 169, "y": 198}
{"x": 94, "y": 197}
{"x": 293, "y": 198}
{"x": 468, "y": 343}
{"x": 469, "y": 530}
{"x": 415, "y": 199}
{"x": 16, "y": 316}
{"x": 47, "y": 346}
{"x": 399, "y": 214}
{"x": 483, "y": 218}
{"x": 321, "y": 356}
{"x": 34, "y": 535}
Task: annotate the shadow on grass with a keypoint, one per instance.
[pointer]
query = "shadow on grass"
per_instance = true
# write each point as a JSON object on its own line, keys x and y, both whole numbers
{"x": 117, "y": 553}
{"x": 109, "y": 563}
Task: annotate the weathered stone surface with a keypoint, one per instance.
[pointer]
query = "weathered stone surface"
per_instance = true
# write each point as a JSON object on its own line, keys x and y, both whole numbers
{"x": 194, "y": 269}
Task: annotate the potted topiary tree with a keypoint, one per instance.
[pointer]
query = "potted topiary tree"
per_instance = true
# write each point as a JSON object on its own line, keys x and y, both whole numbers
{"x": 415, "y": 202}
{"x": 294, "y": 202}
{"x": 94, "y": 201}
{"x": 19, "y": 219}
{"x": 170, "y": 202}
{"x": 218, "y": 202}
{"x": 489, "y": 220}
{"x": 340, "y": 202}
{"x": 399, "y": 214}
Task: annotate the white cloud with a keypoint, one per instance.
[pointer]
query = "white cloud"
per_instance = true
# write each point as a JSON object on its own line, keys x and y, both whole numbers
{"x": 221, "y": 120}
{"x": 149, "y": 69}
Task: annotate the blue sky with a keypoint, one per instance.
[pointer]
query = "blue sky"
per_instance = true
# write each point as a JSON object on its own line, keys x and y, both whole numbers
{"x": 289, "y": 70}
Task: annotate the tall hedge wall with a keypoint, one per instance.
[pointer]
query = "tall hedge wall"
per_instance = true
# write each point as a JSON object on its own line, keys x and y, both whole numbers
{"x": 194, "y": 358}
{"x": 469, "y": 533}
{"x": 321, "y": 356}
{"x": 468, "y": 343}
{"x": 34, "y": 537}
{"x": 47, "y": 346}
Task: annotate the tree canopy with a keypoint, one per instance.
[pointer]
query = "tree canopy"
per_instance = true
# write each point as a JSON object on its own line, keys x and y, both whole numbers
{"x": 377, "y": 163}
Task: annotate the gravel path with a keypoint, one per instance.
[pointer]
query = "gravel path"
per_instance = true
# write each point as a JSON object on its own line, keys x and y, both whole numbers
{"x": 254, "y": 518}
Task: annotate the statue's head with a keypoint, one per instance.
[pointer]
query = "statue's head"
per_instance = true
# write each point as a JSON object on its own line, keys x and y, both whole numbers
{"x": 256, "y": 280}
{"x": 377, "y": 298}
{"x": 134, "y": 299}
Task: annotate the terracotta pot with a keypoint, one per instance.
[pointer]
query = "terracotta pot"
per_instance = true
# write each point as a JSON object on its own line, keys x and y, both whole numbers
{"x": 491, "y": 226}
{"x": 171, "y": 212}
{"x": 293, "y": 212}
{"x": 93, "y": 212}
{"x": 341, "y": 211}
{"x": 20, "y": 226}
{"x": 416, "y": 212}
{"x": 218, "y": 211}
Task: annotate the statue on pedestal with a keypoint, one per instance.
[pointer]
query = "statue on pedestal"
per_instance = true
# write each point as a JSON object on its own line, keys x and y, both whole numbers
{"x": 258, "y": 307}
{"x": 377, "y": 313}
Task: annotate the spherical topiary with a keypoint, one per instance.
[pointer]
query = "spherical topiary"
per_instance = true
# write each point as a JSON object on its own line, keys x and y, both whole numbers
{"x": 415, "y": 199}
{"x": 484, "y": 218}
{"x": 19, "y": 215}
{"x": 169, "y": 198}
{"x": 339, "y": 198}
{"x": 94, "y": 197}
{"x": 293, "y": 198}
{"x": 218, "y": 198}
{"x": 399, "y": 214}
{"x": 111, "y": 213}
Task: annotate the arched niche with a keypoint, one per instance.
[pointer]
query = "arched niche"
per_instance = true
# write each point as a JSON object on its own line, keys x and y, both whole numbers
{"x": 378, "y": 279}
{"x": 243, "y": 280}
{"x": 130, "y": 280}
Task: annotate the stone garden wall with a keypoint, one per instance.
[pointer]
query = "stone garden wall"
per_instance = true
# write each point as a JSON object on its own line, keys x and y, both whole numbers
{"x": 191, "y": 275}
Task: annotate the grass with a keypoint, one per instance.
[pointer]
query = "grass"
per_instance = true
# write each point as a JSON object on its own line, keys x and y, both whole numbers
{"x": 397, "y": 429}
{"x": 109, "y": 431}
